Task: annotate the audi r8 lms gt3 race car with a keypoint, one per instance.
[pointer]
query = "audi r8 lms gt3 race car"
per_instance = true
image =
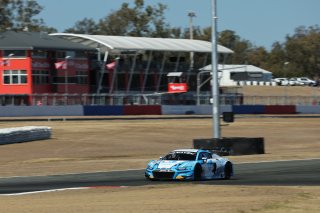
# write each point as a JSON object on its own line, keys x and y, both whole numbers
{"x": 189, "y": 164}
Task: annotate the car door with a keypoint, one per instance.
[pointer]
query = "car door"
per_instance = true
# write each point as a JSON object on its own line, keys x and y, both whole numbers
{"x": 207, "y": 165}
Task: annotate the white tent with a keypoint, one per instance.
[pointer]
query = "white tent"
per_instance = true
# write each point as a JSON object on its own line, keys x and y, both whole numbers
{"x": 231, "y": 74}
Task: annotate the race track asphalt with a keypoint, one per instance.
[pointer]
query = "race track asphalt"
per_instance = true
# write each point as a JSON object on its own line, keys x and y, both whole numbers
{"x": 277, "y": 173}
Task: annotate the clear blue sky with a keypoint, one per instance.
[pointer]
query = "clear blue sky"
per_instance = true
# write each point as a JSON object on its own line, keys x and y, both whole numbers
{"x": 260, "y": 21}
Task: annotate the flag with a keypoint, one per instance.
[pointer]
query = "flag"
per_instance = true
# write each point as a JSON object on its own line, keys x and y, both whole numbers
{"x": 61, "y": 65}
{"x": 111, "y": 65}
{"x": 4, "y": 63}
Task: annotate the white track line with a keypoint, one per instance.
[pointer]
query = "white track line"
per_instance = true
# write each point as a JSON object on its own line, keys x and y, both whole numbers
{"x": 62, "y": 189}
{"x": 43, "y": 191}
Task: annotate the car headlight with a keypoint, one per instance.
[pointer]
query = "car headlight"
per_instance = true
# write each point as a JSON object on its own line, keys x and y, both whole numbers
{"x": 151, "y": 166}
{"x": 183, "y": 168}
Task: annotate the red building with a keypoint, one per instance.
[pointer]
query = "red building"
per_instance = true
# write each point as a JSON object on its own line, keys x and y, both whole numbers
{"x": 27, "y": 66}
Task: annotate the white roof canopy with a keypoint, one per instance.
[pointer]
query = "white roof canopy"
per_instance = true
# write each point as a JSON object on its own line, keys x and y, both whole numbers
{"x": 237, "y": 68}
{"x": 127, "y": 43}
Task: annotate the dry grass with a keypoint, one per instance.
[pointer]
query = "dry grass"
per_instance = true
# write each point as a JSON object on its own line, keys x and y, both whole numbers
{"x": 280, "y": 90}
{"x": 85, "y": 146}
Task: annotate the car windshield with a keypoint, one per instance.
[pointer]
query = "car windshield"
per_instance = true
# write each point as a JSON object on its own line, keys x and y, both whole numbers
{"x": 180, "y": 156}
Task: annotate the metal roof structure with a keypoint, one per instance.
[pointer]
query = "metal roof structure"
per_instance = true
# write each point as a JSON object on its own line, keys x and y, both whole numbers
{"x": 11, "y": 40}
{"x": 117, "y": 44}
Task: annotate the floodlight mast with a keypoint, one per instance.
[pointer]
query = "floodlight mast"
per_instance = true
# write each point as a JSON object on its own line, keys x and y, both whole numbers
{"x": 214, "y": 72}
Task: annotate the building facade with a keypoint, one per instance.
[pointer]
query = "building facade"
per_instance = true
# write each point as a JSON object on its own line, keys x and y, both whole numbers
{"x": 27, "y": 67}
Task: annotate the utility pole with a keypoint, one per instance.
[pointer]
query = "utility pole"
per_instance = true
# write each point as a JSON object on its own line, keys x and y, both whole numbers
{"x": 214, "y": 72}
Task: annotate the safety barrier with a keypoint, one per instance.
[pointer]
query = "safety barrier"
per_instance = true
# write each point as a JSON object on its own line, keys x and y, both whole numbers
{"x": 192, "y": 109}
{"x": 248, "y": 109}
{"x": 103, "y": 110}
{"x": 15, "y": 111}
{"x": 280, "y": 109}
{"x": 24, "y": 134}
{"x": 99, "y": 110}
{"x": 142, "y": 110}
{"x": 308, "y": 109}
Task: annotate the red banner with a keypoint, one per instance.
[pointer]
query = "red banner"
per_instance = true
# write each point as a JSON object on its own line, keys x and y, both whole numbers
{"x": 177, "y": 87}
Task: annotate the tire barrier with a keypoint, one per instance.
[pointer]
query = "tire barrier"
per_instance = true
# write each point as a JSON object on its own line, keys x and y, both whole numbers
{"x": 24, "y": 134}
{"x": 231, "y": 146}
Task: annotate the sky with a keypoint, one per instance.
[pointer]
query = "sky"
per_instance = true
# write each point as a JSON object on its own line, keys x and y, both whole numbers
{"x": 262, "y": 22}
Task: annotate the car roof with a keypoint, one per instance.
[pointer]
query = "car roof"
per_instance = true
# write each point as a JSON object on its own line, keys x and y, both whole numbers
{"x": 186, "y": 150}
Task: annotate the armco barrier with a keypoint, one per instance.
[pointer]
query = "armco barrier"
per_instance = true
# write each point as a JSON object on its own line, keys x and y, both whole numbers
{"x": 24, "y": 134}
{"x": 103, "y": 110}
{"x": 142, "y": 110}
{"x": 248, "y": 109}
{"x": 308, "y": 109}
{"x": 280, "y": 109}
{"x": 16, "y": 111}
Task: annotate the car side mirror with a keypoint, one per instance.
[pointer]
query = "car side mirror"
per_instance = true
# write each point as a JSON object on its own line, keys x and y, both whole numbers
{"x": 205, "y": 159}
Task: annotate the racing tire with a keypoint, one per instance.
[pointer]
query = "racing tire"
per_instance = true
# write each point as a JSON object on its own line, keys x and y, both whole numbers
{"x": 197, "y": 172}
{"x": 227, "y": 171}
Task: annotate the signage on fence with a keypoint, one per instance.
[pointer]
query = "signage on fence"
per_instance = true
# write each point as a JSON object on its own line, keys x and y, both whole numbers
{"x": 177, "y": 87}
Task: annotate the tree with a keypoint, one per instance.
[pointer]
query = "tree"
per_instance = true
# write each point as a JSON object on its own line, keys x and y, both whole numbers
{"x": 85, "y": 26}
{"x": 241, "y": 47}
{"x": 20, "y": 15}
{"x": 141, "y": 20}
{"x": 303, "y": 51}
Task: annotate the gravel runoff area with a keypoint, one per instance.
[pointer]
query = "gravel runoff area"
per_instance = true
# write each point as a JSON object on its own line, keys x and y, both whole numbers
{"x": 87, "y": 146}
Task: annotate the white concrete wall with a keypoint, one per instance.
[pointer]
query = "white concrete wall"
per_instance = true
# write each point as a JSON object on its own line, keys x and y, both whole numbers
{"x": 16, "y": 111}
{"x": 308, "y": 109}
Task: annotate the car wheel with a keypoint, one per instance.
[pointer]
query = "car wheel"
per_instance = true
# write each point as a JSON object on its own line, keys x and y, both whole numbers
{"x": 197, "y": 172}
{"x": 227, "y": 171}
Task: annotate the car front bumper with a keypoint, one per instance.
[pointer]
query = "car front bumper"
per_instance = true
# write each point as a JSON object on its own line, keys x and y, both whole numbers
{"x": 169, "y": 175}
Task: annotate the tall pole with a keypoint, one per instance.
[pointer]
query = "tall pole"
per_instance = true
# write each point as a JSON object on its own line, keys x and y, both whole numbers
{"x": 191, "y": 15}
{"x": 66, "y": 76}
{"x": 214, "y": 73}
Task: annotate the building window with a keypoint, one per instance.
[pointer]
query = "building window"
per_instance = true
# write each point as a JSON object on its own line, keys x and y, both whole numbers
{"x": 82, "y": 77}
{"x": 15, "y": 53}
{"x": 40, "y": 77}
{"x": 79, "y": 54}
{"x": 39, "y": 54}
{"x": 14, "y": 77}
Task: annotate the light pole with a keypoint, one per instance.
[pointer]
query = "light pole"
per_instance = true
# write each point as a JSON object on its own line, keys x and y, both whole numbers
{"x": 214, "y": 72}
{"x": 191, "y": 14}
{"x": 287, "y": 83}
{"x": 66, "y": 75}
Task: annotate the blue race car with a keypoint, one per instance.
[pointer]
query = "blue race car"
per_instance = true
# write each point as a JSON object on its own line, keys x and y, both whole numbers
{"x": 189, "y": 164}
